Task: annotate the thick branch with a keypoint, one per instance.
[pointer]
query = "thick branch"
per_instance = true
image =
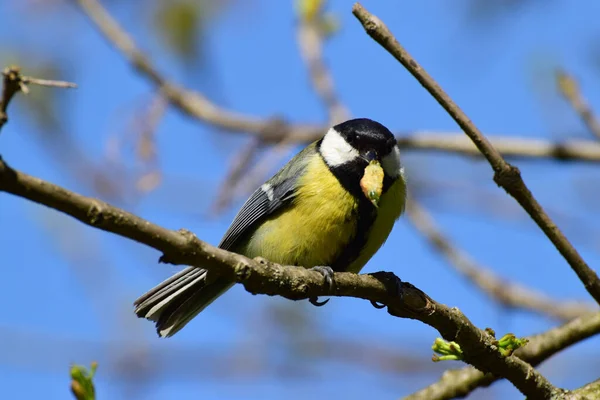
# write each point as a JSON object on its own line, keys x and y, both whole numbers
{"x": 587, "y": 392}
{"x": 505, "y": 175}
{"x": 261, "y": 276}
{"x": 459, "y": 383}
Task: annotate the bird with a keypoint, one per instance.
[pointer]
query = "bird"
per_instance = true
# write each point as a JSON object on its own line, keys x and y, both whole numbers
{"x": 330, "y": 208}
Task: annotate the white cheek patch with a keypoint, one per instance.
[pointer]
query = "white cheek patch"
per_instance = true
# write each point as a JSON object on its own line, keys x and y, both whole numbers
{"x": 391, "y": 164}
{"x": 335, "y": 150}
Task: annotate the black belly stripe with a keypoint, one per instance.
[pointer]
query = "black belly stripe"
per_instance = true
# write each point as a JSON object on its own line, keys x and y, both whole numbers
{"x": 349, "y": 176}
{"x": 366, "y": 216}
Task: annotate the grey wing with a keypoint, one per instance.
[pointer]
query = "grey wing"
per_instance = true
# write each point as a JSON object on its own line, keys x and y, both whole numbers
{"x": 272, "y": 196}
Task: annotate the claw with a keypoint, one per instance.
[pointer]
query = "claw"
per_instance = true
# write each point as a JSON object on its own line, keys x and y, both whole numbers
{"x": 315, "y": 302}
{"x": 327, "y": 273}
{"x": 397, "y": 291}
{"x": 377, "y": 305}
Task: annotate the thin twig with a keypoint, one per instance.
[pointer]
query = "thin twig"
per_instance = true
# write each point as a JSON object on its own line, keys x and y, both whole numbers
{"x": 508, "y": 293}
{"x": 11, "y": 85}
{"x": 569, "y": 88}
{"x": 14, "y": 82}
{"x": 459, "y": 383}
{"x": 48, "y": 82}
{"x": 262, "y": 277}
{"x": 505, "y": 175}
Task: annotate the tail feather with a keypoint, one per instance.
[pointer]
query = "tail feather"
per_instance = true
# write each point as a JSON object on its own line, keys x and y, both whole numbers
{"x": 174, "y": 302}
{"x": 149, "y": 300}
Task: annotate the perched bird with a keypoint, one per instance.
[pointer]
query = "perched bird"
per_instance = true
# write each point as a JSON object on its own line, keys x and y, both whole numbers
{"x": 330, "y": 208}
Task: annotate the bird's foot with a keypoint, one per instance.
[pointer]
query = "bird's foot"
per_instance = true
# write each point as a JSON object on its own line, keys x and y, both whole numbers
{"x": 397, "y": 290}
{"x": 327, "y": 273}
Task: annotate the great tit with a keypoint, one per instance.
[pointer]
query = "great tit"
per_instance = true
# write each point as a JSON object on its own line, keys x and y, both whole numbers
{"x": 330, "y": 208}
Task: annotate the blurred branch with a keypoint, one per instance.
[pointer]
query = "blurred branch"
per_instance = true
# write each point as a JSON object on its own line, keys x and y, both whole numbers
{"x": 508, "y": 293}
{"x": 190, "y": 102}
{"x": 459, "y": 383}
{"x": 262, "y": 277}
{"x": 310, "y": 34}
{"x": 14, "y": 82}
{"x": 240, "y": 163}
{"x": 569, "y": 88}
{"x": 505, "y": 175}
{"x": 515, "y": 147}
{"x": 255, "y": 176}
{"x": 145, "y": 147}
{"x": 45, "y": 352}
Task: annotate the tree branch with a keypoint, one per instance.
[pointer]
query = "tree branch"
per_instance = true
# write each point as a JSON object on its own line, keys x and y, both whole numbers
{"x": 262, "y": 277}
{"x": 505, "y": 175}
{"x": 587, "y": 392}
{"x": 509, "y": 146}
{"x": 459, "y": 383}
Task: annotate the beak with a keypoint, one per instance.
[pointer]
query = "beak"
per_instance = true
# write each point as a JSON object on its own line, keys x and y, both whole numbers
{"x": 369, "y": 156}
{"x": 372, "y": 181}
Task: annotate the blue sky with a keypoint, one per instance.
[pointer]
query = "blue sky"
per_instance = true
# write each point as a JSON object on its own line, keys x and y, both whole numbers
{"x": 69, "y": 290}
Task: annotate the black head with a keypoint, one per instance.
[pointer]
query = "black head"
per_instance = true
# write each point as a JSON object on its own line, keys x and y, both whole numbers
{"x": 367, "y": 135}
{"x": 347, "y": 149}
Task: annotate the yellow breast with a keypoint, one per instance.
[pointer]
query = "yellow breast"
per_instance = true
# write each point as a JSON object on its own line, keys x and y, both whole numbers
{"x": 314, "y": 228}
{"x": 320, "y": 222}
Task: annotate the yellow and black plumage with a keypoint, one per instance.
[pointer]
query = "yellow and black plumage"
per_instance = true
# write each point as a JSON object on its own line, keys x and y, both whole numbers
{"x": 313, "y": 213}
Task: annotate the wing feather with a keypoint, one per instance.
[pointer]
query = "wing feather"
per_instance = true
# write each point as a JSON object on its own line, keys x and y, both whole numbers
{"x": 274, "y": 195}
